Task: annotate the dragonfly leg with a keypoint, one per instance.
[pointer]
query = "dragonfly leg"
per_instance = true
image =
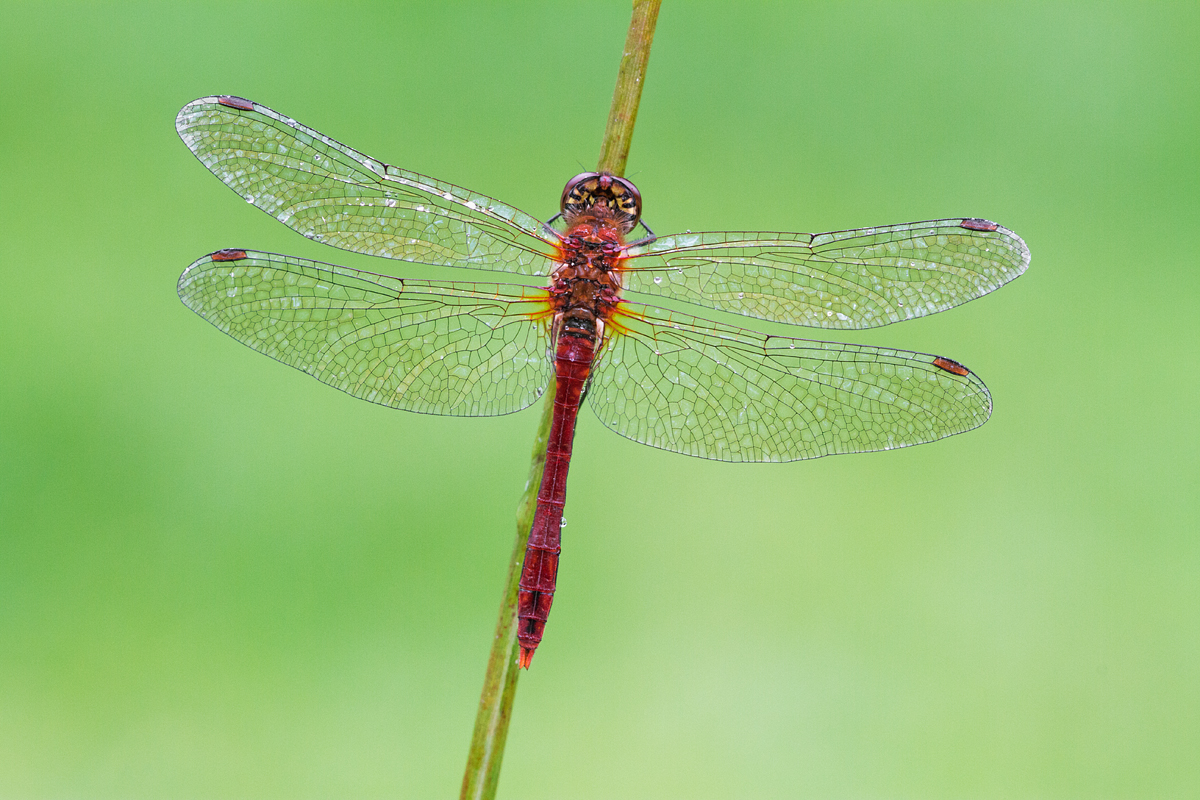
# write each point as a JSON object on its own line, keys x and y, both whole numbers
{"x": 548, "y": 226}
{"x": 647, "y": 239}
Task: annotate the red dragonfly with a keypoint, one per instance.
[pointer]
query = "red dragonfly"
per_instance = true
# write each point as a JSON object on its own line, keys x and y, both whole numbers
{"x": 666, "y": 379}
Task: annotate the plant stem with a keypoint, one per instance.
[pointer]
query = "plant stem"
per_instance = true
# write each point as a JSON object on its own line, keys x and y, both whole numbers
{"x": 500, "y": 684}
{"x": 614, "y": 150}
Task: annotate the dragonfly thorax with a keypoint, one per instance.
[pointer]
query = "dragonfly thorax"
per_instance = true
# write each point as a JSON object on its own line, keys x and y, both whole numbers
{"x": 585, "y": 286}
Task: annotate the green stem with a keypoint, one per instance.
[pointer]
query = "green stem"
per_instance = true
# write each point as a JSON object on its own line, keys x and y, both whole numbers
{"x": 614, "y": 150}
{"x": 500, "y": 684}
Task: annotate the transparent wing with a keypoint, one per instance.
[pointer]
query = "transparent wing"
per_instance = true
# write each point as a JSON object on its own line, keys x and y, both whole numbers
{"x": 465, "y": 349}
{"x": 847, "y": 279}
{"x": 704, "y": 389}
{"x": 337, "y": 195}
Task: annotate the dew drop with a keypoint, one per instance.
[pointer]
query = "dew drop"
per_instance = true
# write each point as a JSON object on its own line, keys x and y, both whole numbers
{"x": 741, "y": 295}
{"x": 658, "y": 278}
{"x": 562, "y": 523}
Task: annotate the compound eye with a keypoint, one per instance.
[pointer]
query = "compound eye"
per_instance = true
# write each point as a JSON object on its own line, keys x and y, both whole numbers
{"x": 578, "y": 194}
{"x": 627, "y": 202}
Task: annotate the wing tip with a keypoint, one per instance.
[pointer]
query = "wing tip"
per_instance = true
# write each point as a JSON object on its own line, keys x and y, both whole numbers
{"x": 218, "y": 256}
{"x": 228, "y": 100}
{"x": 987, "y": 226}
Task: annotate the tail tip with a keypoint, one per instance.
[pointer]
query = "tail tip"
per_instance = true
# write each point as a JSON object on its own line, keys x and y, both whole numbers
{"x": 525, "y": 658}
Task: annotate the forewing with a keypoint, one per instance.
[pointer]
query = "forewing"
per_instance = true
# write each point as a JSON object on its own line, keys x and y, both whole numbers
{"x": 846, "y": 279}
{"x": 704, "y": 389}
{"x": 336, "y": 195}
{"x": 464, "y": 349}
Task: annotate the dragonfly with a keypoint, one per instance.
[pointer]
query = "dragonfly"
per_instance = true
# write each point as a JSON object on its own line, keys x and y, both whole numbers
{"x": 683, "y": 383}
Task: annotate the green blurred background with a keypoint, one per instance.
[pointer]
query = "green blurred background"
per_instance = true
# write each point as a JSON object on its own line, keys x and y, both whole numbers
{"x": 222, "y": 579}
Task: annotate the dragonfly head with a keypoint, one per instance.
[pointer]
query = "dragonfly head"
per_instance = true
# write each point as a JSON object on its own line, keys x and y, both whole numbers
{"x": 588, "y": 190}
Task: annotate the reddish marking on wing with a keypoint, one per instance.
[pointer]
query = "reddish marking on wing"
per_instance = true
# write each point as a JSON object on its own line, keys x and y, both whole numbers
{"x": 619, "y": 261}
{"x": 978, "y": 225}
{"x": 228, "y": 254}
{"x": 951, "y": 366}
{"x": 613, "y": 322}
{"x": 538, "y": 303}
{"x": 560, "y": 248}
{"x": 235, "y": 102}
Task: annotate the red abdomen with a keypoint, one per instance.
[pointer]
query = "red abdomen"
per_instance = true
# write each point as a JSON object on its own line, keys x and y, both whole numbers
{"x": 573, "y": 358}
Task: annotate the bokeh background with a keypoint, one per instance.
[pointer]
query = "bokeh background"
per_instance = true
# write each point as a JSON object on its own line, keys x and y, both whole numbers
{"x": 222, "y": 579}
